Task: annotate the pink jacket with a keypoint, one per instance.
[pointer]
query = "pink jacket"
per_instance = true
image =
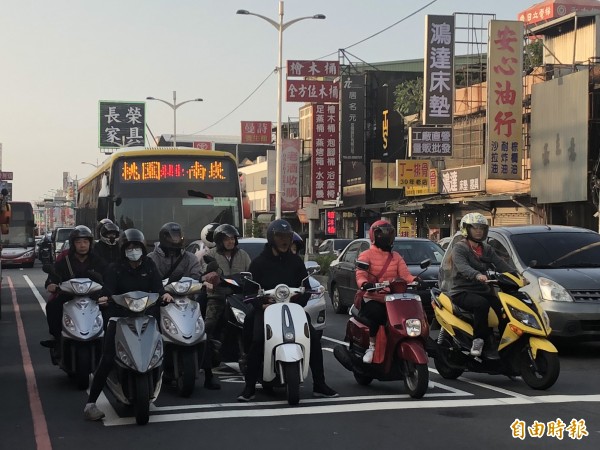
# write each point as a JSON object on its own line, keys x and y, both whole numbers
{"x": 377, "y": 258}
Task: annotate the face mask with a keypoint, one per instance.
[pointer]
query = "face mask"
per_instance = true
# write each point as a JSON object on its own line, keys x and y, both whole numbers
{"x": 133, "y": 254}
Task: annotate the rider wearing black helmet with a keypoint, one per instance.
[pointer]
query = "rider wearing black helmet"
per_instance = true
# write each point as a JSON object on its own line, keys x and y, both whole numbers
{"x": 134, "y": 271}
{"x": 231, "y": 260}
{"x": 277, "y": 264}
{"x": 170, "y": 257}
{"x": 78, "y": 262}
{"x": 107, "y": 246}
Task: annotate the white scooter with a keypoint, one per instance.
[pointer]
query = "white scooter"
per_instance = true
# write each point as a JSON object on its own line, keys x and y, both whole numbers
{"x": 136, "y": 377}
{"x": 183, "y": 334}
{"x": 287, "y": 339}
{"x": 82, "y": 331}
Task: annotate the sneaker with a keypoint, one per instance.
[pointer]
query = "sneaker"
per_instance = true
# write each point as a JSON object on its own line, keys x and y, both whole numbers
{"x": 322, "y": 390}
{"x": 368, "y": 356}
{"x": 477, "y": 347}
{"x": 91, "y": 412}
{"x": 247, "y": 394}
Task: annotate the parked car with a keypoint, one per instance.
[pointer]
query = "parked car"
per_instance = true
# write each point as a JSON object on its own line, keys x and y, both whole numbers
{"x": 341, "y": 283}
{"x": 58, "y": 237}
{"x": 562, "y": 265}
{"x": 316, "y": 305}
{"x": 444, "y": 242}
{"x": 332, "y": 246}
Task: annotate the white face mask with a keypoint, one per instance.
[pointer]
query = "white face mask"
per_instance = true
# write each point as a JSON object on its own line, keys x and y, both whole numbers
{"x": 133, "y": 254}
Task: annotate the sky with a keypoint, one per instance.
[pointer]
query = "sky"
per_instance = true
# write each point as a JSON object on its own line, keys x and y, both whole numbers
{"x": 60, "y": 58}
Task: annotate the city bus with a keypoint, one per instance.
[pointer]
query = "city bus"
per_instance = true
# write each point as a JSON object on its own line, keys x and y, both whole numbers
{"x": 18, "y": 246}
{"x": 146, "y": 188}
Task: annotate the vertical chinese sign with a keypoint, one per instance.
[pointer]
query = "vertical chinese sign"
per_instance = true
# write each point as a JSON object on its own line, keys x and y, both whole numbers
{"x": 121, "y": 124}
{"x": 325, "y": 158}
{"x": 505, "y": 100}
{"x": 290, "y": 166}
{"x": 438, "y": 85}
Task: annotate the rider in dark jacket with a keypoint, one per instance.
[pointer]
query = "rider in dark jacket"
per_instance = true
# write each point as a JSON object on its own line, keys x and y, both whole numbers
{"x": 80, "y": 262}
{"x": 107, "y": 246}
{"x": 133, "y": 272}
{"x": 276, "y": 265}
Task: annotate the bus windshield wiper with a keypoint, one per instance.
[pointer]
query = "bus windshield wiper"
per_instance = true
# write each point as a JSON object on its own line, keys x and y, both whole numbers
{"x": 199, "y": 194}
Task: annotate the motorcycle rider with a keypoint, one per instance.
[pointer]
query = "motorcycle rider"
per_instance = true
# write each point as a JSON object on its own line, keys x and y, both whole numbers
{"x": 297, "y": 244}
{"x": 385, "y": 265}
{"x": 275, "y": 265}
{"x": 173, "y": 262}
{"x": 45, "y": 249}
{"x": 134, "y": 271}
{"x": 466, "y": 285}
{"x": 231, "y": 260}
{"x": 79, "y": 262}
{"x": 107, "y": 246}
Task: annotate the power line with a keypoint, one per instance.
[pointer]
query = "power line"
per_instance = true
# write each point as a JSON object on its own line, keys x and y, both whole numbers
{"x": 234, "y": 109}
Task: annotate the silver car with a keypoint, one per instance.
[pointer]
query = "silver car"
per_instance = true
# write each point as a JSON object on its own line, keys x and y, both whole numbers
{"x": 562, "y": 265}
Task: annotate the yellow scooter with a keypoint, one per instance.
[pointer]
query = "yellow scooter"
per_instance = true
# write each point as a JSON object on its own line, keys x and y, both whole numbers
{"x": 523, "y": 345}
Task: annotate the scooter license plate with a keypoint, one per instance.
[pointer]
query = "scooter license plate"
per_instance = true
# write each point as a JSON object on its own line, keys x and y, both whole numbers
{"x": 402, "y": 296}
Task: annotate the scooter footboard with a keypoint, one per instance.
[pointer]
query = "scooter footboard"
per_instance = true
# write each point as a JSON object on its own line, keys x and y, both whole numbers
{"x": 413, "y": 351}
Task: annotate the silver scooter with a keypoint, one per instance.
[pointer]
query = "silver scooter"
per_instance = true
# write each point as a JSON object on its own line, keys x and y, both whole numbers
{"x": 183, "y": 333}
{"x": 136, "y": 377}
{"x": 82, "y": 331}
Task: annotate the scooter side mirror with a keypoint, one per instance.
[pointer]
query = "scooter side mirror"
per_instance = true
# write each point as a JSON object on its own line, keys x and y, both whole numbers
{"x": 362, "y": 265}
{"x": 246, "y": 275}
{"x": 425, "y": 263}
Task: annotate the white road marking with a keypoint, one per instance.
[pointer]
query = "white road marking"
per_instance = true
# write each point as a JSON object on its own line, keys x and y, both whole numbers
{"x": 36, "y": 294}
{"x": 354, "y": 407}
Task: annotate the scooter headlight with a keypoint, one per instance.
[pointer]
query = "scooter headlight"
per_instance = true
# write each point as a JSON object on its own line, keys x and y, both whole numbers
{"x": 98, "y": 323}
{"x": 282, "y": 293}
{"x": 123, "y": 356}
{"x": 136, "y": 304}
{"x": 81, "y": 287}
{"x": 525, "y": 318}
{"x": 182, "y": 287}
{"x": 413, "y": 327}
{"x": 239, "y": 315}
{"x": 199, "y": 326}
{"x": 157, "y": 356}
{"x": 68, "y": 322}
{"x": 169, "y": 326}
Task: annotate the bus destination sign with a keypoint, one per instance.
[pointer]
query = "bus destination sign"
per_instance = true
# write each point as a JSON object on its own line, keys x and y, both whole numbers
{"x": 140, "y": 170}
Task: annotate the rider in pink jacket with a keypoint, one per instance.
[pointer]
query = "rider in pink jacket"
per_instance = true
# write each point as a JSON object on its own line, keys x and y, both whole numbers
{"x": 382, "y": 236}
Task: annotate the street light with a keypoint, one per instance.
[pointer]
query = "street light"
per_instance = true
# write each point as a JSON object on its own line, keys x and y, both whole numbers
{"x": 174, "y": 106}
{"x": 280, "y": 27}
{"x": 90, "y": 164}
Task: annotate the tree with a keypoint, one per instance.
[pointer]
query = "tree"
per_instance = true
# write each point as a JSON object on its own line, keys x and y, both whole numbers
{"x": 408, "y": 97}
{"x": 534, "y": 55}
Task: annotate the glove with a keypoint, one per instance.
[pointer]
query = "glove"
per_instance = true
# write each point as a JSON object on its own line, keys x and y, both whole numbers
{"x": 366, "y": 285}
{"x": 212, "y": 278}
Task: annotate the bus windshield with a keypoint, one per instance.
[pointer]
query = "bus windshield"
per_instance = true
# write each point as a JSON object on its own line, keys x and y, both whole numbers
{"x": 22, "y": 226}
{"x": 149, "y": 191}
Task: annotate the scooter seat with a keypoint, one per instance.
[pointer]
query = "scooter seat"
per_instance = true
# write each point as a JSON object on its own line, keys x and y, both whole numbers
{"x": 355, "y": 312}
{"x": 462, "y": 313}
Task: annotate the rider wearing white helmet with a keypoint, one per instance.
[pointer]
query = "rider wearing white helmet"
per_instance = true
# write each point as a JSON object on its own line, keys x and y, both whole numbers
{"x": 470, "y": 260}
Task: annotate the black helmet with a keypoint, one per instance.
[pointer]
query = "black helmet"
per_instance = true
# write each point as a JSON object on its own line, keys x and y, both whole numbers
{"x": 170, "y": 236}
{"x": 80, "y": 231}
{"x": 225, "y": 230}
{"x": 100, "y": 225}
{"x": 130, "y": 236}
{"x": 109, "y": 233}
{"x": 276, "y": 227}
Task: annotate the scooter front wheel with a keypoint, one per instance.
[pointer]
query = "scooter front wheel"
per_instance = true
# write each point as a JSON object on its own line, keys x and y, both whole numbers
{"x": 291, "y": 372}
{"x": 542, "y": 372}
{"x": 141, "y": 402}
{"x": 416, "y": 379}
{"x": 83, "y": 366}
{"x": 187, "y": 373}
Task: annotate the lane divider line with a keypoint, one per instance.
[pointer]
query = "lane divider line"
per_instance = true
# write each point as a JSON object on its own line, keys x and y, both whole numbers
{"x": 40, "y": 426}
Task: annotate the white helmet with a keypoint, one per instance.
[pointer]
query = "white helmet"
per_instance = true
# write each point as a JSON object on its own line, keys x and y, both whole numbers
{"x": 474, "y": 219}
{"x": 208, "y": 233}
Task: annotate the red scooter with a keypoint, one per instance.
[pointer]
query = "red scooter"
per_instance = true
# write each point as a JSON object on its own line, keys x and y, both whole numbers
{"x": 406, "y": 332}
